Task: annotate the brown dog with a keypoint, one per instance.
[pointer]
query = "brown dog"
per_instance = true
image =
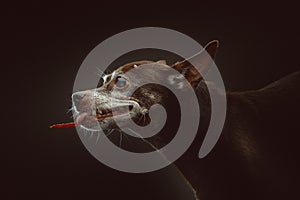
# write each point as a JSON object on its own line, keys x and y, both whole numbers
{"x": 256, "y": 156}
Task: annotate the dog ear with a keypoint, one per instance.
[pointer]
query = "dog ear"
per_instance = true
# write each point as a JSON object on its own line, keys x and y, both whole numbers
{"x": 203, "y": 59}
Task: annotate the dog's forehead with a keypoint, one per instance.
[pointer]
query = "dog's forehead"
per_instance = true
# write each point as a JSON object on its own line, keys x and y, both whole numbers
{"x": 125, "y": 68}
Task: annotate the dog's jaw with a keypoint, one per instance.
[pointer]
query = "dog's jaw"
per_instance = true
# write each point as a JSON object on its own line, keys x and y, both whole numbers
{"x": 104, "y": 110}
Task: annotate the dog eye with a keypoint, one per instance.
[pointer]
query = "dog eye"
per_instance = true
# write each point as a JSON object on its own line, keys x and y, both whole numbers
{"x": 121, "y": 82}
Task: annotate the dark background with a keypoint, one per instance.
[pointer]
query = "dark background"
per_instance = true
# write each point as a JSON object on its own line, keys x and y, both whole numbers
{"x": 43, "y": 47}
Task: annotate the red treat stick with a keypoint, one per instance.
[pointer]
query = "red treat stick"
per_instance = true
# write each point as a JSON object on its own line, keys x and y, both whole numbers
{"x": 64, "y": 125}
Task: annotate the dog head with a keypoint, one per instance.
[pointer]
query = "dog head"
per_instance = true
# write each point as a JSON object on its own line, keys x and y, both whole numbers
{"x": 120, "y": 95}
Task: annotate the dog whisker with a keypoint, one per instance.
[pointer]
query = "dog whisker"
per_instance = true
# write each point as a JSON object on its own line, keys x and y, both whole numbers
{"x": 149, "y": 143}
{"x": 144, "y": 119}
{"x": 109, "y": 132}
{"x": 70, "y": 109}
{"x": 83, "y": 131}
{"x": 121, "y": 137}
{"x": 91, "y": 135}
{"x": 101, "y": 72}
{"x": 98, "y": 136}
{"x": 140, "y": 118}
{"x": 126, "y": 136}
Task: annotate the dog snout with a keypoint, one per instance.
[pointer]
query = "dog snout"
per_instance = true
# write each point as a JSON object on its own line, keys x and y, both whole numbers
{"x": 81, "y": 101}
{"x": 77, "y": 98}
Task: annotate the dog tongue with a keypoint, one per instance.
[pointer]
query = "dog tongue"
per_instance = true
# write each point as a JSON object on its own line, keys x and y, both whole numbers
{"x": 81, "y": 117}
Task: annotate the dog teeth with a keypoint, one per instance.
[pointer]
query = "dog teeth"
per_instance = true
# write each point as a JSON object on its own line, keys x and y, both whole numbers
{"x": 94, "y": 112}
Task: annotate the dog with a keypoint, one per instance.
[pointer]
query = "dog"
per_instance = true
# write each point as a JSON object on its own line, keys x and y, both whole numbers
{"x": 256, "y": 155}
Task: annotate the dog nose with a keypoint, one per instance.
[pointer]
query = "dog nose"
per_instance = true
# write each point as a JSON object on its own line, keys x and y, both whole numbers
{"x": 77, "y": 98}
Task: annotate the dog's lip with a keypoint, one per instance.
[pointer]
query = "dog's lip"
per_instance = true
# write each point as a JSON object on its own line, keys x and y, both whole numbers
{"x": 81, "y": 117}
{"x": 101, "y": 116}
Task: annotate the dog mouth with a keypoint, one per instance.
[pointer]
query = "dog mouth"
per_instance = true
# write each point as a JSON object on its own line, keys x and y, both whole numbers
{"x": 102, "y": 114}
